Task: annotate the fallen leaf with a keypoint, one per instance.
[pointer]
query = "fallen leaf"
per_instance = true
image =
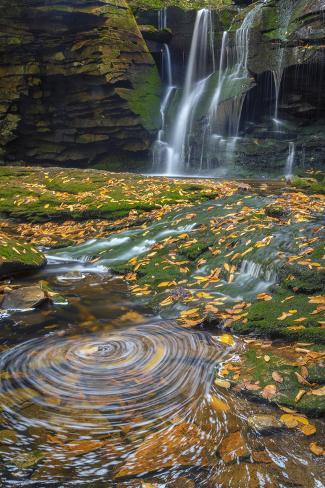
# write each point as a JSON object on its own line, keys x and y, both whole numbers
{"x": 277, "y": 377}
{"x": 269, "y": 391}
{"x": 316, "y": 449}
{"x": 318, "y": 392}
{"x": 267, "y": 358}
{"x": 299, "y": 395}
{"x": 226, "y": 339}
{"x": 309, "y": 429}
{"x": 218, "y": 404}
{"x": 261, "y": 457}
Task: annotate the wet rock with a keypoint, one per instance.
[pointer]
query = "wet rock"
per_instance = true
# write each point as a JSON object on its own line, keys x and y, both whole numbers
{"x": 277, "y": 212}
{"x": 25, "y": 298}
{"x": 233, "y": 448}
{"x": 7, "y": 436}
{"x": 245, "y": 475}
{"x": 264, "y": 423}
{"x": 182, "y": 445}
{"x": 28, "y": 459}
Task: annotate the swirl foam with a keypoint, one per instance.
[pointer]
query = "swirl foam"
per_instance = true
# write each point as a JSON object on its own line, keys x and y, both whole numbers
{"x": 101, "y": 383}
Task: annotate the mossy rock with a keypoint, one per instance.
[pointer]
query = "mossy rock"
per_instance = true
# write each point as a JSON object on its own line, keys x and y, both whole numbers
{"x": 277, "y": 212}
{"x": 261, "y": 371}
{"x": 288, "y": 314}
{"x": 16, "y": 258}
{"x": 312, "y": 184}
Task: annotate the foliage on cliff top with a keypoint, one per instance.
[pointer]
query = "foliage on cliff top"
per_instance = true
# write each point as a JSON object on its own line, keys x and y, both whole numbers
{"x": 184, "y": 4}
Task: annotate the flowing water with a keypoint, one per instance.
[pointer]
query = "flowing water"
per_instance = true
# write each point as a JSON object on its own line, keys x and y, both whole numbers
{"x": 285, "y": 9}
{"x": 175, "y": 149}
{"x": 290, "y": 160}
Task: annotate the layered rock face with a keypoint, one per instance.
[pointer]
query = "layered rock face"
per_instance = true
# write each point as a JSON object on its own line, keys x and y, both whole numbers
{"x": 78, "y": 85}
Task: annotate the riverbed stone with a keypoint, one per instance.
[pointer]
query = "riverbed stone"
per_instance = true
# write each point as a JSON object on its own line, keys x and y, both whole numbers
{"x": 24, "y": 298}
{"x": 181, "y": 445}
{"x": 264, "y": 423}
{"x": 233, "y": 448}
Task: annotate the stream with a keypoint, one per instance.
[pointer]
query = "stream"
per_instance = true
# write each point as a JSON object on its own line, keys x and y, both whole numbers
{"x": 100, "y": 391}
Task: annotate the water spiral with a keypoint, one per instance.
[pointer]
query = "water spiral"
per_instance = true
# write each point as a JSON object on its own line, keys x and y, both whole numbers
{"x": 103, "y": 382}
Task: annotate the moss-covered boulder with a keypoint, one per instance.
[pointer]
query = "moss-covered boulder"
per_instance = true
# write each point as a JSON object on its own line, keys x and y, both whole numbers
{"x": 291, "y": 376}
{"x": 17, "y": 257}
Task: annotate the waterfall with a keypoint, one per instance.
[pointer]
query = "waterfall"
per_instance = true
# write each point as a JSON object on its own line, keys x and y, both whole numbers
{"x": 162, "y": 19}
{"x": 250, "y": 269}
{"x": 290, "y": 160}
{"x": 167, "y": 65}
{"x": 177, "y": 146}
{"x": 230, "y": 72}
{"x": 285, "y": 8}
{"x": 161, "y": 148}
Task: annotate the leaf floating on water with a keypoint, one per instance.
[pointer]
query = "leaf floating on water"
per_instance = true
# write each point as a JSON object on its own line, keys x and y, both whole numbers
{"x": 316, "y": 449}
{"x": 309, "y": 429}
{"x": 292, "y": 420}
{"x": 227, "y": 339}
{"x": 218, "y": 404}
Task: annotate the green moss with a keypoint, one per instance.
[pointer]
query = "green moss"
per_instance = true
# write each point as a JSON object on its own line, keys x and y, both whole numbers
{"x": 54, "y": 194}
{"x": 287, "y": 391}
{"x": 144, "y": 98}
{"x": 312, "y": 184}
{"x": 184, "y": 4}
{"x": 264, "y": 317}
{"x": 17, "y": 257}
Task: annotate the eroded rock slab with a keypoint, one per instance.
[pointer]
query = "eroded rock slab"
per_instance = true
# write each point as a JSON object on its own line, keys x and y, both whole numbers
{"x": 181, "y": 445}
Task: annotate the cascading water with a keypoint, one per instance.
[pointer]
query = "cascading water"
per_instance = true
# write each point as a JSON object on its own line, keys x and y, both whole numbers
{"x": 290, "y": 160}
{"x": 161, "y": 148}
{"x": 174, "y": 151}
{"x": 177, "y": 146}
{"x": 232, "y": 73}
{"x": 285, "y": 8}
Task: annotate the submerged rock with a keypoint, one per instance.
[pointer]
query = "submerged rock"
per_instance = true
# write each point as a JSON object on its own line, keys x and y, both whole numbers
{"x": 264, "y": 423}
{"x": 183, "y": 445}
{"x": 233, "y": 448}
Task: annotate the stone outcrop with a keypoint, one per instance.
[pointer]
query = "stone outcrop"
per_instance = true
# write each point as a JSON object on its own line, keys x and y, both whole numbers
{"x": 78, "y": 85}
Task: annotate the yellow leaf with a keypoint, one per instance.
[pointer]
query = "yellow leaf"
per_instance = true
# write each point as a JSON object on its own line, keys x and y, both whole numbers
{"x": 318, "y": 392}
{"x": 316, "y": 449}
{"x": 226, "y": 339}
{"x": 299, "y": 395}
{"x": 309, "y": 429}
{"x": 167, "y": 301}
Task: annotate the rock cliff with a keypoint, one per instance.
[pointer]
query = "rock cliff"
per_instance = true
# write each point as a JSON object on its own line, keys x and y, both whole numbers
{"x": 78, "y": 85}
